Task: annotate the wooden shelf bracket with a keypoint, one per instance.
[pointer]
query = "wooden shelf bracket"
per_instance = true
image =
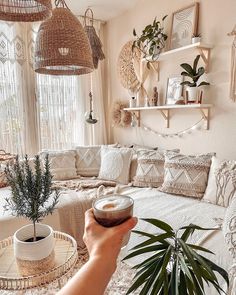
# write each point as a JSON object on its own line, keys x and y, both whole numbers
{"x": 166, "y": 116}
{"x": 205, "y": 55}
{"x": 206, "y": 115}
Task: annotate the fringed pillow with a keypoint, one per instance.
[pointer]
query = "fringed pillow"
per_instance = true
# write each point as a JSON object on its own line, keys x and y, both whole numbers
{"x": 150, "y": 169}
{"x": 222, "y": 182}
{"x": 186, "y": 175}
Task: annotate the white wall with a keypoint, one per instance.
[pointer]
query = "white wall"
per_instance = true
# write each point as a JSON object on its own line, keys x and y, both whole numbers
{"x": 217, "y": 18}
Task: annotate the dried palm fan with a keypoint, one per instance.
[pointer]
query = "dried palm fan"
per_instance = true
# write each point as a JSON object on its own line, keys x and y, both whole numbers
{"x": 95, "y": 42}
{"x": 120, "y": 117}
{"x": 233, "y": 66}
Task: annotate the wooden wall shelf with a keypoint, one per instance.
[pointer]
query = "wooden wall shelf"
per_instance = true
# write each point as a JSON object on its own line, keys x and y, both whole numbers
{"x": 203, "y": 49}
{"x": 166, "y": 110}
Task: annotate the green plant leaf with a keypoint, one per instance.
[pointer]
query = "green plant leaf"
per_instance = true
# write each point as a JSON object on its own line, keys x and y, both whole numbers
{"x": 141, "y": 279}
{"x": 160, "y": 224}
{"x": 218, "y": 269}
{"x": 193, "y": 263}
{"x": 195, "y": 63}
{"x": 150, "y": 259}
{"x": 186, "y": 74}
{"x": 182, "y": 284}
{"x": 203, "y": 84}
{"x": 188, "y": 68}
{"x": 142, "y": 233}
{"x": 134, "y": 33}
{"x": 164, "y": 17}
{"x": 186, "y": 83}
{"x": 196, "y": 247}
{"x": 160, "y": 238}
{"x": 189, "y": 229}
{"x": 146, "y": 250}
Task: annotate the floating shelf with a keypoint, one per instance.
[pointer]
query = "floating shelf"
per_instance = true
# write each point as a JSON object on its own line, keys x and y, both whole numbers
{"x": 203, "y": 49}
{"x": 166, "y": 110}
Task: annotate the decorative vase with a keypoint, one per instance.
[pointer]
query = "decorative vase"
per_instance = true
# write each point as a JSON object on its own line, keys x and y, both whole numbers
{"x": 34, "y": 257}
{"x": 192, "y": 94}
{"x": 196, "y": 40}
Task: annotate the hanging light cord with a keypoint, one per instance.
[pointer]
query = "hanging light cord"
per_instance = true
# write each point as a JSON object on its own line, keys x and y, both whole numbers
{"x": 61, "y": 3}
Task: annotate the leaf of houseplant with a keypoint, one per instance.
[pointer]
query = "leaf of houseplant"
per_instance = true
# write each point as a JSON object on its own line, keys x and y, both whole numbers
{"x": 196, "y": 247}
{"x": 187, "y": 68}
{"x": 160, "y": 224}
{"x": 146, "y": 250}
{"x": 160, "y": 238}
{"x": 195, "y": 63}
{"x": 142, "y": 233}
{"x": 146, "y": 261}
{"x": 203, "y": 83}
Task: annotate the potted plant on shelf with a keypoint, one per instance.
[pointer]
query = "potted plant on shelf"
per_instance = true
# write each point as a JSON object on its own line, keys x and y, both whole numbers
{"x": 194, "y": 73}
{"x": 151, "y": 41}
{"x": 196, "y": 38}
{"x": 33, "y": 198}
{"x": 175, "y": 267}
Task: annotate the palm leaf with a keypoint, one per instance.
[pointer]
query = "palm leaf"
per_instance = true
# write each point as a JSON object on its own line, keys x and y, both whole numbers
{"x": 146, "y": 250}
{"x": 160, "y": 238}
{"x": 160, "y": 224}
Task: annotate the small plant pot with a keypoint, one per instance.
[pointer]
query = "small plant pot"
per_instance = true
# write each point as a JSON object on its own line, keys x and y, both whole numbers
{"x": 196, "y": 40}
{"x": 192, "y": 94}
{"x": 34, "y": 257}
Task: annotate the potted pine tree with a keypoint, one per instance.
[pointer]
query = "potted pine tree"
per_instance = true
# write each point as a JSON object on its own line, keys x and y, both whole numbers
{"x": 33, "y": 198}
{"x": 175, "y": 266}
{"x": 194, "y": 73}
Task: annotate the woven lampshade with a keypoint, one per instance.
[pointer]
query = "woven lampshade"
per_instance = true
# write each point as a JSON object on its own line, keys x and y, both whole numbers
{"x": 62, "y": 46}
{"x": 25, "y": 10}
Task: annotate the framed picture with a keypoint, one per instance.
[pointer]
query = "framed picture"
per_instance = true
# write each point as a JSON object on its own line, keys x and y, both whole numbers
{"x": 184, "y": 25}
{"x": 174, "y": 89}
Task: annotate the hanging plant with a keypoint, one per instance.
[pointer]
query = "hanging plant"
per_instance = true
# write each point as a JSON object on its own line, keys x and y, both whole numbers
{"x": 152, "y": 40}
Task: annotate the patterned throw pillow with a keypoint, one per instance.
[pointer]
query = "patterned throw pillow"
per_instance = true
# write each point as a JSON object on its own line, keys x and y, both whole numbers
{"x": 186, "y": 175}
{"x": 150, "y": 169}
{"x": 221, "y": 183}
{"x": 229, "y": 227}
{"x": 115, "y": 164}
{"x": 3, "y": 179}
{"x": 62, "y": 164}
{"x": 88, "y": 160}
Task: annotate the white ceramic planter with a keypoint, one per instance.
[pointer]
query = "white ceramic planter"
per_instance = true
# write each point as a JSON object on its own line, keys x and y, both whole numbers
{"x": 192, "y": 93}
{"x": 196, "y": 40}
{"x": 34, "y": 257}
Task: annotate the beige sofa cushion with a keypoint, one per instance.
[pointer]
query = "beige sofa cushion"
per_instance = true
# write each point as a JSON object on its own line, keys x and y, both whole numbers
{"x": 186, "y": 175}
{"x": 150, "y": 168}
{"x": 115, "y": 164}
{"x": 221, "y": 183}
{"x": 62, "y": 164}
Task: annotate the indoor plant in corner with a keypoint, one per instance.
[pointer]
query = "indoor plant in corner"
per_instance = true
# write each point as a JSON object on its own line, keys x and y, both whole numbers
{"x": 194, "y": 74}
{"x": 151, "y": 41}
{"x": 33, "y": 198}
{"x": 175, "y": 266}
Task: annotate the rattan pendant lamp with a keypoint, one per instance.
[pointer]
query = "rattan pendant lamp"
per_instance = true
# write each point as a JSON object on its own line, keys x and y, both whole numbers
{"x": 62, "y": 46}
{"x": 25, "y": 10}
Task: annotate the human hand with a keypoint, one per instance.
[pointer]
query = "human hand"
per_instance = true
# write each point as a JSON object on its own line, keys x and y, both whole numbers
{"x": 103, "y": 242}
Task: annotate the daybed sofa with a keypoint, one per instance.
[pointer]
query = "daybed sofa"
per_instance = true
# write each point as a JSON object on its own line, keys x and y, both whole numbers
{"x": 149, "y": 202}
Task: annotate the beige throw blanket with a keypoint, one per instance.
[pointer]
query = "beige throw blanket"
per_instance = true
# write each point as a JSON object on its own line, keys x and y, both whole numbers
{"x": 73, "y": 204}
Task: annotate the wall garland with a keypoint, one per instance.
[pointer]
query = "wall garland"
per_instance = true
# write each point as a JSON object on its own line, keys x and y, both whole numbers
{"x": 195, "y": 127}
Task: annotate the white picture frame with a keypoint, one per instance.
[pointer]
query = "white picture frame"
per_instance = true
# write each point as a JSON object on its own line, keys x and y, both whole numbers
{"x": 174, "y": 89}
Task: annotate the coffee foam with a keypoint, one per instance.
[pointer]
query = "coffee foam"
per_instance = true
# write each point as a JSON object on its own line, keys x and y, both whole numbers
{"x": 113, "y": 203}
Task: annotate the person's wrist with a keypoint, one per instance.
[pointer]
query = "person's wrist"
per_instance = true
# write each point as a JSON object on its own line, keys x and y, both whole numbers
{"x": 104, "y": 261}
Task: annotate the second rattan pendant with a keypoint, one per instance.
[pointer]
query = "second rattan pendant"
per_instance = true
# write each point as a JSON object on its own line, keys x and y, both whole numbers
{"x": 62, "y": 46}
{"x": 95, "y": 42}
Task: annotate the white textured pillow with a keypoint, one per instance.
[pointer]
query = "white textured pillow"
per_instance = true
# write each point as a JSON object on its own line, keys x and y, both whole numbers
{"x": 62, "y": 164}
{"x": 115, "y": 164}
{"x": 229, "y": 228}
{"x": 186, "y": 175}
{"x": 88, "y": 160}
{"x": 220, "y": 188}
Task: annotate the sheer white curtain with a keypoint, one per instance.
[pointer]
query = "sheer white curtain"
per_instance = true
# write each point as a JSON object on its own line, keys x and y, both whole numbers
{"x": 18, "y": 120}
{"x": 63, "y": 101}
{"x": 42, "y": 111}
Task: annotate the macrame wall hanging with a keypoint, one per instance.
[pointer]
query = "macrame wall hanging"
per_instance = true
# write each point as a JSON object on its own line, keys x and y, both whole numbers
{"x": 95, "y": 42}
{"x": 233, "y": 66}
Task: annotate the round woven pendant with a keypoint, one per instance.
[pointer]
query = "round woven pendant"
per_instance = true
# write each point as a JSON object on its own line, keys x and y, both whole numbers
{"x": 25, "y": 10}
{"x": 62, "y": 46}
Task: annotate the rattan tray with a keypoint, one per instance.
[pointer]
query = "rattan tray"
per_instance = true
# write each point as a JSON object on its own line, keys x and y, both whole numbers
{"x": 65, "y": 254}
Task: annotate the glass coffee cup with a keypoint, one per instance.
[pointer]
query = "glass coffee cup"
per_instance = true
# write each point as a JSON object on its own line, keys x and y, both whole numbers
{"x": 113, "y": 210}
